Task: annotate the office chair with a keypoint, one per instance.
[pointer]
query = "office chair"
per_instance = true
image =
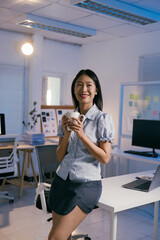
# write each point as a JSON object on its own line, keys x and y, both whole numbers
{"x": 8, "y": 161}
{"x": 47, "y": 165}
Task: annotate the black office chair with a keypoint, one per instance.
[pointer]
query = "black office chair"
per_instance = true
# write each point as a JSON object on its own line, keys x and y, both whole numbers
{"x": 47, "y": 165}
{"x": 8, "y": 161}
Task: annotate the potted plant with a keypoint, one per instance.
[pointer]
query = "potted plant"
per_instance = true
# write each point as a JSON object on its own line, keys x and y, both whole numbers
{"x": 34, "y": 118}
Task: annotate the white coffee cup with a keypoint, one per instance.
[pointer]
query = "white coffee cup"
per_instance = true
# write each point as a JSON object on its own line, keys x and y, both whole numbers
{"x": 74, "y": 115}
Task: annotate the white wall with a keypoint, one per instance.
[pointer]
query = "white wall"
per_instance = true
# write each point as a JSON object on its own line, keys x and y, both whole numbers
{"x": 9, "y": 48}
{"x": 53, "y": 57}
{"x": 115, "y": 62}
{"x": 62, "y": 59}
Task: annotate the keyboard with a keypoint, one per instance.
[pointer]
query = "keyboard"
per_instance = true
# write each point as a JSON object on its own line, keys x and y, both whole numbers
{"x": 145, "y": 154}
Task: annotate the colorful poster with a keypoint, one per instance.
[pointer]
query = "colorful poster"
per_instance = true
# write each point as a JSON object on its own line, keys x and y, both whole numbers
{"x": 155, "y": 99}
{"x": 49, "y": 122}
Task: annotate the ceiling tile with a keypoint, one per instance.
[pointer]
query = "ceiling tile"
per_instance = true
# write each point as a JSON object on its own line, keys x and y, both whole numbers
{"x": 125, "y": 30}
{"x": 107, "y": 27}
{"x": 7, "y": 14}
{"x": 152, "y": 27}
{"x": 102, "y": 36}
{"x": 95, "y": 21}
{"x": 25, "y": 5}
{"x": 60, "y": 12}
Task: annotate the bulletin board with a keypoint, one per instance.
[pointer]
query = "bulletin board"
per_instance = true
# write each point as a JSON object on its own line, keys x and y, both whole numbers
{"x": 50, "y": 118}
{"x": 140, "y": 100}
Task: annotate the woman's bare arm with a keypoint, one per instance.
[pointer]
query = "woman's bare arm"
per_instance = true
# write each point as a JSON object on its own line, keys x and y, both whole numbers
{"x": 101, "y": 152}
{"x": 62, "y": 147}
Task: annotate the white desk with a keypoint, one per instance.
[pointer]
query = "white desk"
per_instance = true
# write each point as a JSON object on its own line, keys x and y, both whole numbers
{"x": 120, "y": 153}
{"x": 115, "y": 199}
{"x": 28, "y": 151}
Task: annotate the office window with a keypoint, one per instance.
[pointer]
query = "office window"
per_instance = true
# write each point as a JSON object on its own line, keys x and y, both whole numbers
{"x": 51, "y": 89}
{"x": 12, "y": 97}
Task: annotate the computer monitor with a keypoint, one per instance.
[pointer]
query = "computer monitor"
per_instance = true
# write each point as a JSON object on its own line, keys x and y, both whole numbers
{"x": 2, "y": 124}
{"x": 146, "y": 133}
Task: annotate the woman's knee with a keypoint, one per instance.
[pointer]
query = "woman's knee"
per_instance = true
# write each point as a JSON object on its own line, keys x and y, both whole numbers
{"x": 58, "y": 235}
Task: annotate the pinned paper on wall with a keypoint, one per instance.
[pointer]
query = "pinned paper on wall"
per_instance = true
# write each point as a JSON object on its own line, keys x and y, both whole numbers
{"x": 135, "y": 104}
{"x": 131, "y": 96}
{"x": 49, "y": 122}
{"x": 51, "y": 116}
{"x": 148, "y": 107}
{"x": 155, "y": 113}
{"x": 136, "y": 96}
{"x": 155, "y": 99}
{"x": 148, "y": 98}
{"x": 139, "y": 115}
{"x": 130, "y": 103}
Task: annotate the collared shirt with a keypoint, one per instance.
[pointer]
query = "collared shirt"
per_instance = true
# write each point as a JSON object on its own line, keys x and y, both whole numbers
{"x": 78, "y": 163}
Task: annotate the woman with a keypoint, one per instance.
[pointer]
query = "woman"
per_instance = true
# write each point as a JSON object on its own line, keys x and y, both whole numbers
{"x": 77, "y": 187}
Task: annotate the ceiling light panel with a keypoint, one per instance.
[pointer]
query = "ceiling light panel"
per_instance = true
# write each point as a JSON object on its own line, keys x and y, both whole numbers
{"x": 32, "y": 21}
{"x": 120, "y": 10}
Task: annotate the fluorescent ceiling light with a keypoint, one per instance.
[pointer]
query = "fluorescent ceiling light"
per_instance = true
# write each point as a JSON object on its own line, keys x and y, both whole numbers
{"x": 119, "y": 9}
{"x": 32, "y": 21}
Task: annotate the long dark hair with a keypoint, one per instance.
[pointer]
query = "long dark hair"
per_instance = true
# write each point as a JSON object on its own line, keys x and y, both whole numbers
{"x": 98, "y": 100}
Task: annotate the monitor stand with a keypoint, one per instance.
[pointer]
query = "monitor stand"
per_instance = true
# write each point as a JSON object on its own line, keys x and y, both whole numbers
{"x": 155, "y": 155}
{"x": 151, "y": 154}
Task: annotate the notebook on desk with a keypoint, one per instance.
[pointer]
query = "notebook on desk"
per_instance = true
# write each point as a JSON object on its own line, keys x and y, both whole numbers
{"x": 145, "y": 185}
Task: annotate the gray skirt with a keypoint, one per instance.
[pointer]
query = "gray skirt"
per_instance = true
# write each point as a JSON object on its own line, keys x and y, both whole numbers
{"x": 66, "y": 194}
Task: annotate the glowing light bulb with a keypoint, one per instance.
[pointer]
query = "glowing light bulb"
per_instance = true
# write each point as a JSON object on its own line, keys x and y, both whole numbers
{"x": 27, "y": 49}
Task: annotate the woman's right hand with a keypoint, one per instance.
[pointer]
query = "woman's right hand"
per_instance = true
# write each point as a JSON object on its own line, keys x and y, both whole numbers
{"x": 65, "y": 123}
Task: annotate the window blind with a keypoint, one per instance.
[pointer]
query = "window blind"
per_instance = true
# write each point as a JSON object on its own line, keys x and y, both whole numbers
{"x": 11, "y": 97}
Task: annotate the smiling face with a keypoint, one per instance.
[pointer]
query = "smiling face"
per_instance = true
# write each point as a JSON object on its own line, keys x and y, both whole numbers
{"x": 85, "y": 91}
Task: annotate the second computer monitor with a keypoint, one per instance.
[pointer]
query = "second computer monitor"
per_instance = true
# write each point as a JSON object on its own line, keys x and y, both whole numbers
{"x": 146, "y": 133}
{"x": 2, "y": 124}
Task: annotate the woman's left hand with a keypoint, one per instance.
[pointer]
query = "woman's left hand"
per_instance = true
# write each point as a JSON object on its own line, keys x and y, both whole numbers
{"x": 77, "y": 126}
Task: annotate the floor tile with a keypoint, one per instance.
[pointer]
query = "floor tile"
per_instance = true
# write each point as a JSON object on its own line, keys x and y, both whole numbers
{"x": 22, "y": 220}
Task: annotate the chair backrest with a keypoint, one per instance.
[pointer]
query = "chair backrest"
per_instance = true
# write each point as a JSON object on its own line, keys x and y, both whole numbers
{"x": 47, "y": 165}
{"x": 8, "y": 154}
{"x": 47, "y": 162}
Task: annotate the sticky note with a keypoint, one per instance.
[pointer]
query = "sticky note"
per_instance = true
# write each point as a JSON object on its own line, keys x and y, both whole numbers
{"x": 139, "y": 115}
{"x": 135, "y": 104}
{"x": 136, "y": 96}
{"x": 156, "y": 99}
{"x": 131, "y": 96}
{"x": 148, "y": 98}
{"x": 148, "y": 107}
{"x": 155, "y": 113}
{"x": 130, "y": 103}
